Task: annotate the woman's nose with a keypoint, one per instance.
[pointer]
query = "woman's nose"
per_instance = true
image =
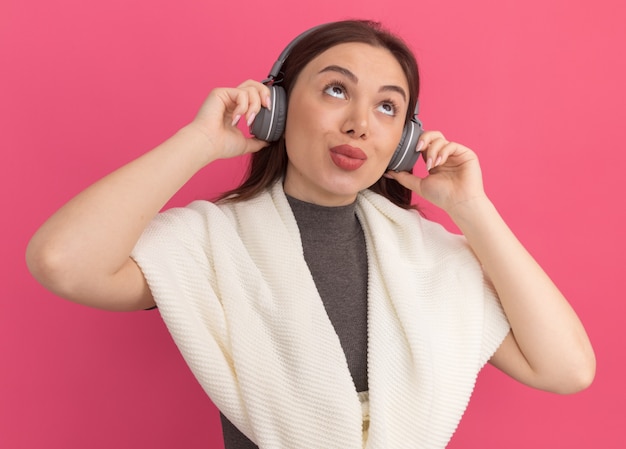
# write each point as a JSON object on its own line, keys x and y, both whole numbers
{"x": 356, "y": 122}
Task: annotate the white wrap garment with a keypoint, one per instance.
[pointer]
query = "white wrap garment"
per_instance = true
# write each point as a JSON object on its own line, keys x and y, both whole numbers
{"x": 233, "y": 288}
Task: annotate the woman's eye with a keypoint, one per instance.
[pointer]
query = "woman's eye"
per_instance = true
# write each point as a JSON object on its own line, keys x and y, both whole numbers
{"x": 336, "y": 91}
{"x": 387, "y": 108}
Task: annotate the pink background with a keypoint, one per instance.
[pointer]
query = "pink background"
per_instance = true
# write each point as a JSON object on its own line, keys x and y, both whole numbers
{"x": 535, "y": 87}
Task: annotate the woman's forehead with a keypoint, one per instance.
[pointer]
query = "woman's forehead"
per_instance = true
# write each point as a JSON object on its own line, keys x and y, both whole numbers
{"x": 366, "y": 62}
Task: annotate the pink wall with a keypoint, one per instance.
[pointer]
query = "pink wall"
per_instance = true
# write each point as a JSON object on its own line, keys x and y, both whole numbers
{"x": 535, "y": 87}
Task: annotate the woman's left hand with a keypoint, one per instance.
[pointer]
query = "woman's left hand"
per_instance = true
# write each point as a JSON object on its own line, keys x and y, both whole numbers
{"x": 454, "y": 174}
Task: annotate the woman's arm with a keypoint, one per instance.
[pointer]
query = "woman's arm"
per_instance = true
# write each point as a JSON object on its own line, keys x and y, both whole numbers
{"x": 82, "y": 252}
{"x": 547, "y": 347}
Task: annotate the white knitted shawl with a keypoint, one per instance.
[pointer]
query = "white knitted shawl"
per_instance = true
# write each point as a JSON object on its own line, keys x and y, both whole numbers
{"x": 236, "y": 294}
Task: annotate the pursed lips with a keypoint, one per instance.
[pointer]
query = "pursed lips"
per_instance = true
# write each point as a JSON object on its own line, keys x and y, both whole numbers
{"x": 347, "y": 157}
{"x": 349, "y": 151}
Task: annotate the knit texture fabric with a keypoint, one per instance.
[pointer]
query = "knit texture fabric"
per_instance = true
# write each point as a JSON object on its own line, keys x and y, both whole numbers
{"x": 235, "y": 292}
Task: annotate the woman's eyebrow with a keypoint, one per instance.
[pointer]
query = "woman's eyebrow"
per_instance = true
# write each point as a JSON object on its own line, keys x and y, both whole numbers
{"x": 353, "y": 78}
{"x": 347, "y": 73}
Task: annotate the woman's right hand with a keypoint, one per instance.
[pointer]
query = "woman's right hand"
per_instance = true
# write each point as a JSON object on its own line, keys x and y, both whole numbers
{"x": 222, "y": 112}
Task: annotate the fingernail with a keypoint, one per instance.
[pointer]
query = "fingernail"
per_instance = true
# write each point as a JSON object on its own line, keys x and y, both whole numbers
{"x": 251, "y": 118}
{"x": 429, "y": 164}
{"x": 420, "y": 145}
{"x": 268, "y": 102}
{"x": 236, "y": 119}
{"x": 438, "y": 161}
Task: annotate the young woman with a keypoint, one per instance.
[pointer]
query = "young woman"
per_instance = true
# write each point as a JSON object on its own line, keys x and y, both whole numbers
{"x": 315, "y": 306}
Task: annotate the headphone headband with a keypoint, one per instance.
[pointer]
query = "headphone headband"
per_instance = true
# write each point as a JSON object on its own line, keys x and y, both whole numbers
{"x": 285, "y": 53}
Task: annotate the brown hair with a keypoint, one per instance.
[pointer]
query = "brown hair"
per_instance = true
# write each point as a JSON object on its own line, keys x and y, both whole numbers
{"x": 270, "y": 164}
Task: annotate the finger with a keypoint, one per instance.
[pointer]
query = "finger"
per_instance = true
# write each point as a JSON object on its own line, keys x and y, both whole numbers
{"x": 262, "y": 89}
{"x": 253, "y": 103}
{"x": 241, "y": 102}
{"x": 434, "y": 153}
{"x": 424, "y": 144}
{"x": 253, "y": 145}
{"x": 444, "y": 153}
{"x": 407, "y": 180}
{"x": 430, "y": 135}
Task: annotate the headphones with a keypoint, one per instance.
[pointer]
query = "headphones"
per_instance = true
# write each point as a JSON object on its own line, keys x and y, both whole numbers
{"x": 269, "y": 124}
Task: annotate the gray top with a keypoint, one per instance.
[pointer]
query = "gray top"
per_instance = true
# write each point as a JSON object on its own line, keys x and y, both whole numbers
{"x": 335, "y": 252}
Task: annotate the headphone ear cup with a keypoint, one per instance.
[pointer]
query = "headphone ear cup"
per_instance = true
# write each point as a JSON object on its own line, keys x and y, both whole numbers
{"x": 269, "y": 125}
{"x": 405, "y": 156}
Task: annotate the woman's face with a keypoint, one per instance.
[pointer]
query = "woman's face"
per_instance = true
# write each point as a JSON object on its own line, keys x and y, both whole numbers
{"x": 345, "y": 117}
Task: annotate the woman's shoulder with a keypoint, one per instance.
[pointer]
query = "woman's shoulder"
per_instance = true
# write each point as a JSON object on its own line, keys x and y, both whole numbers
{"x": 199, "y": 214}
{"x": 408, "y": 224}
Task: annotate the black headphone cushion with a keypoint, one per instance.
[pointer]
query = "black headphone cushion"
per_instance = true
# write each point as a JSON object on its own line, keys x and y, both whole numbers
{"x": 269, "y": 125}
{"x": 405, "y": 156}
